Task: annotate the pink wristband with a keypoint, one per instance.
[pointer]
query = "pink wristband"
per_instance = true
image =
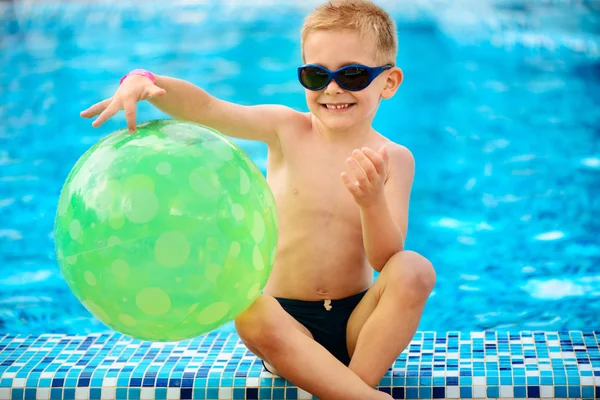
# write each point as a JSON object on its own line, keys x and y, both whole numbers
{"x": 142, "y": 72}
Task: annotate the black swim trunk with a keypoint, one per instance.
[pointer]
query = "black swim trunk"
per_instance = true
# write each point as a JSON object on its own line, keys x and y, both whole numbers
{"x": 326, "y": 321}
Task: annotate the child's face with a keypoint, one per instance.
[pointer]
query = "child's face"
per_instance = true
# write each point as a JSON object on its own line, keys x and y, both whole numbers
{"x": 333, "y": 50}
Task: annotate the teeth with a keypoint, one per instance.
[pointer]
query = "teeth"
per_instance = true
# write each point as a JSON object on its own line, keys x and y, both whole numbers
{"x": 334, "y": 107}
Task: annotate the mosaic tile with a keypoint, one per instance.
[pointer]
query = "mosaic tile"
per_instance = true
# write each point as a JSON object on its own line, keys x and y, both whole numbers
{"x": 528, "y": 365}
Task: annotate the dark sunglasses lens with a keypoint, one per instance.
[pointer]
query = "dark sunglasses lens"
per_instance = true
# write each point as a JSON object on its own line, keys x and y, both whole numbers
{"x": 313, "y": 78}
{"x": 354, "y": 78}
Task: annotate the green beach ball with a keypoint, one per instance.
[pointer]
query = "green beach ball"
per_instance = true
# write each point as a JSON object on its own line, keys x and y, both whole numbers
{"x": 166, "y": 234}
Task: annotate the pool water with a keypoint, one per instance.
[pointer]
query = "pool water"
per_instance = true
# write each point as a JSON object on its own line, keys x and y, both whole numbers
{"x": 500, "y": 107}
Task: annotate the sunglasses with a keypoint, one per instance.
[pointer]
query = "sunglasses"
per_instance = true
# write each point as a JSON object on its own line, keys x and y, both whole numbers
{"x": 352, "y": 77}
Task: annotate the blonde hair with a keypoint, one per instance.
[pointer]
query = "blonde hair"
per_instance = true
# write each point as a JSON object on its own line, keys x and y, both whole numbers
{"x": 362, "y": 16}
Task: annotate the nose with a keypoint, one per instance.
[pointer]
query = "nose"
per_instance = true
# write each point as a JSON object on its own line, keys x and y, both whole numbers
{"x": 333, "y": 88}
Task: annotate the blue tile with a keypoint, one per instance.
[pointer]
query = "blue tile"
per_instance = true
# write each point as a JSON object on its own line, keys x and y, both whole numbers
{"x": 398, "y": 393}
{"x": 574, "y": 391}
{"x": 560, "y": 392}
{"x": 587, "y": 392}
{"x": 278, "y": 393}
{"x": 425, "y": 393}
{"x": 95, "y": 393}
{"x": 252, "y": 393}
{"x": 134, "y": 394}
{"x": 69, "y": 394}
{"x": 412, "y": 393}
{"x": 520, "y": 392}
{"x": 17, "y": 393}
{"x": 466, "y": 392}
{"x": 493, "y": 391}
{"x": 30, "y": 394}
{"x": 533, "y": 391}
{"x": 439, "y": 392}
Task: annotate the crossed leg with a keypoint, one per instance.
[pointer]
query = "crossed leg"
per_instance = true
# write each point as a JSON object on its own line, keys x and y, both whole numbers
{"x": 289, "y": 350}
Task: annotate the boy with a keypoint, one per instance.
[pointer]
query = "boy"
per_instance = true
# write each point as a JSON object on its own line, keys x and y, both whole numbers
{"x": 342, "y": 192}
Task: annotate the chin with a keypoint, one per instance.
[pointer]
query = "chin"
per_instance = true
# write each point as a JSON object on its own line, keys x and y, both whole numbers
{"x": 336, "y": 122}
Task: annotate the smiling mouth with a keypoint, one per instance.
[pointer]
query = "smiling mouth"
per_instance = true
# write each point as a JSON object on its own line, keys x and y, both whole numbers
{"x": 335, "y": 107}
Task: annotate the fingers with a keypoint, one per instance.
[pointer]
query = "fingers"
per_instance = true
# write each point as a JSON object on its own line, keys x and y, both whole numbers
{"x": 96, "y": 109}
{"x": 130, "y": 114}
{"x": 366, "y": 164}
{"x": 352, "y": 186}
{"x": 359, "y": 173}
{"x": 384, "y": 155}
{"x": 155, "y": 91}
{"x": 376, "y": 158}
{"x": 111, "y": 110}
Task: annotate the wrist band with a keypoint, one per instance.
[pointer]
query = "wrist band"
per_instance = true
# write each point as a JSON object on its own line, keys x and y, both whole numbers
{"x": 141, "y": 72}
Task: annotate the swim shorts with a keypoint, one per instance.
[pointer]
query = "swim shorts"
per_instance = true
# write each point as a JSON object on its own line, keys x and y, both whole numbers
{"x": 326, "y": 320}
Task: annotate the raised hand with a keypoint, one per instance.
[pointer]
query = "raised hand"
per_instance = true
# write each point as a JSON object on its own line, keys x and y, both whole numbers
{"x": 133, "y": 89}
{"x": 368, "y": 173}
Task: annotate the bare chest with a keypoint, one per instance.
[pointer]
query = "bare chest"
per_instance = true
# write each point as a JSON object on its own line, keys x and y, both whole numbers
{"x": 308, "y": 181}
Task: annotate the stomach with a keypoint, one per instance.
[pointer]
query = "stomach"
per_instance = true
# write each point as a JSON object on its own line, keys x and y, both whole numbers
{"x": 318, "y": 260}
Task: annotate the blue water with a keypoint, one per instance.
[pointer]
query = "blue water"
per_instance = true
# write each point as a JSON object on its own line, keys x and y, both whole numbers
{"x": 500, "y": 106}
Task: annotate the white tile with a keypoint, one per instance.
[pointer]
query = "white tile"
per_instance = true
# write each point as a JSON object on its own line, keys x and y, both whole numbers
{"x": 18, "y": 383}
{"x": 4, "y": 393}
{"x": 479, "y": 392}
{"x": 507, "y": 391}
{"x": 225, "y": 393}
{"x": 252, "y": 382}
{"x": 452, "y": 392}
{"x": 109, "y": 382}
{"x": 9, "y": 375}
{"x": 479, "y": 380}
{"x": 173, "y": 393}
{"x": 147, "y": 393}
{"x": 82, "y": 393}
{"x": 42, "y": 394}
{"x": 108, "y": 393}
{"x": 439, "y": 373}
{"x": 304, "y": 395}
{"x": 597, "y": 380}
{"x": 546, "y": 391}
{"x": 451, "y": 373}
{"x": 587, "y": 380}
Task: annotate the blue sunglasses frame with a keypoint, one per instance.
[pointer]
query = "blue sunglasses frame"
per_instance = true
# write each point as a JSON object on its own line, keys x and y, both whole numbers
{"x": 373, "y": 72}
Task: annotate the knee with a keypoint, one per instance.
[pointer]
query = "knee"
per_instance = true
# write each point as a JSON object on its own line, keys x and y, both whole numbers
{"x": 257, "y": 326}
{"x": 413, "y": 272}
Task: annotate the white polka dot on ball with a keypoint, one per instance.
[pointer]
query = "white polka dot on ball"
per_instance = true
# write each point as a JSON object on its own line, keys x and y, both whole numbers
{"x": 75, "y": 229}
{"x": 141, "y": 206}
{"x": 172, "y": 249}
{"x": 237, "y": 210}
{"x": 127, "y": 320}
{"x": 153, "y": 301}
{"x": 163, "y": 168}
{"x": 257, "y": 260}
{"x": 213, "y": 313}
{"x": 258, "y": 227}
{"x": 90, "y": 278}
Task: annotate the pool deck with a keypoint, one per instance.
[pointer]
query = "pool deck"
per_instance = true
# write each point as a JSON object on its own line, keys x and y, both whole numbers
{"x": 478, "y": 365}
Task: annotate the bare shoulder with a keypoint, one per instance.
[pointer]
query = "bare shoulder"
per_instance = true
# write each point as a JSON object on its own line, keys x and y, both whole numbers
{"x": 400, "y": 159}
{"x": 289, "y": 121}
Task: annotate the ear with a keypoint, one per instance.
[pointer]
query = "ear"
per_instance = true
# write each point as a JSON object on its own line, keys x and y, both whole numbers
{"x": 392, "y": 83}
